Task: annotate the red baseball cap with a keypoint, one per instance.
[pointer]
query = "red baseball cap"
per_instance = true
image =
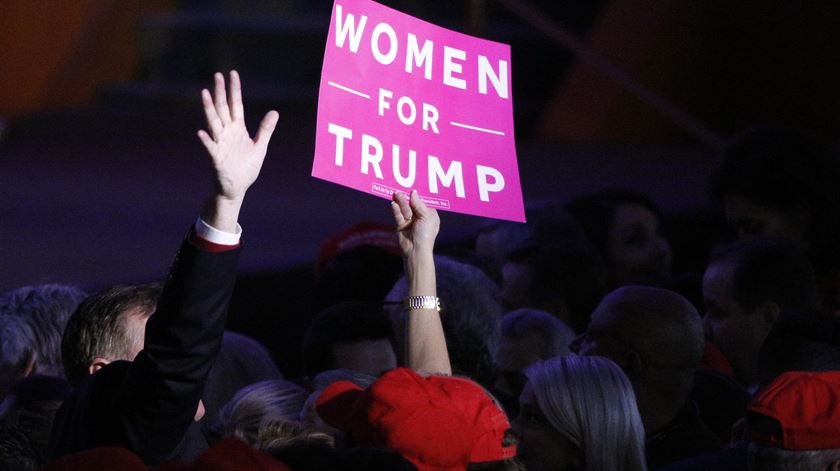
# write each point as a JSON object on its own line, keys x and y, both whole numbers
{"x": 806, "y": 405}
{"x": 439, "y": 423}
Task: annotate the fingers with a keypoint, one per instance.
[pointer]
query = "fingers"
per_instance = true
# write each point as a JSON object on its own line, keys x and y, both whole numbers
{"x": 213, "y": 120}
{"x": 418, "y": 206}
{"x": 267, "y": 125}
{"x": 237, "y": 111}
{"x": 221, "y": 98}
{"x": 402, "y": 211}
{"x": 208, "y": 142}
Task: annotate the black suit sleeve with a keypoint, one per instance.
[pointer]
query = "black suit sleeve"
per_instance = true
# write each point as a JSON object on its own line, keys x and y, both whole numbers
{"x": 158, "y": 398}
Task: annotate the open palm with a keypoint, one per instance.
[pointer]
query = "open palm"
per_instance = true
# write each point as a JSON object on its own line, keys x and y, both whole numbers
{"x": 236, "y": 157}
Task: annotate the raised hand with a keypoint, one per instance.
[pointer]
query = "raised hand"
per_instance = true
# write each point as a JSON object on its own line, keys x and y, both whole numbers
{"x": 417, "y": 227}
{"x": 237, "y": 158}
{"x": 417, "y": 224}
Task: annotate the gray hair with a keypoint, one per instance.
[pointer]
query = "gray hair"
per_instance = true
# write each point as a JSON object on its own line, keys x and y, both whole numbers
{"x": 46, "y": 308}
{"x": 526, "y": 321}
{"x": 590, "y": 401}
{"x": 254, "y": 406}
{"x": 778, "y": 459}
{"x": 17, "y": 344}
{"x": 470, "y": 312}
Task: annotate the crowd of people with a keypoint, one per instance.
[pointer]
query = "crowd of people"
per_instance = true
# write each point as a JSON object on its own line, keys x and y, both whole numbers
{"x": 567, "y": 343}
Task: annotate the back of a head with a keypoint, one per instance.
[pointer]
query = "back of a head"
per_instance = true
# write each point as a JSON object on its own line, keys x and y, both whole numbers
{"x": 590, "y": 401}
{"x": 97, "y": 327}
{"x": 662, "y": 327}
{"x": 555, "y": 334}
{"x": 800, "y": 341}
{"x": 470, "y": 313}
{"x": 46, "y": 308}
{"x": 344, "y": 323}
{"x": 256, "y": 407}
{"x": 769, "y": 269}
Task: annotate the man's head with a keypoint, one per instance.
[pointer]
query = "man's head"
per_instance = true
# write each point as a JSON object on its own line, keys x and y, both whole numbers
{"x": 355, "y": 336}
{"x": 655, "y": 336}
{"x": 45, "y": 308}
{"x": 528, "y": 335}
{"x": 793, "y": 423}
{"x": 745, "y": 287}
{"x": 107, "y": 326}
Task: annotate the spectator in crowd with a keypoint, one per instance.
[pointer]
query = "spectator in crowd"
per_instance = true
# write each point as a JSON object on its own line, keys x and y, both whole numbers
{"x": 108, "y": 326}
{"x": 149, "y": 405}
{"x": 528, "y": 336}
{"x": 656, "y": 337}
{"x": 46, "y": 308}
{"x": 579, "y": 413}
{"x": 745, "y": 288}
{"x": 241, "y": 361}
{"x": 793, "y": 423}
{"x": 626, "y": 227}
{"x": 359, "y": 264}
{"x": 800, "y": 341}
{"x": 776, "y": 182}
{"x": 547, "y": 264}
{"x": 351, "y": 335}
{"x": 266, "y": 415}
{"x": 437, "y": 422}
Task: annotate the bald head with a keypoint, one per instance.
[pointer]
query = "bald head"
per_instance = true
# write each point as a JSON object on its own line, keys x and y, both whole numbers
{"x": 659, "y": 324}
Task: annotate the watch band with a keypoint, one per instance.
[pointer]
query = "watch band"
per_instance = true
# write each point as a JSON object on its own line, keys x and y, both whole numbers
{"x": 422, "y": 302}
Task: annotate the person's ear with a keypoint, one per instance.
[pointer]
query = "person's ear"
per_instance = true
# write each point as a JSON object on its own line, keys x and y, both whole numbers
{"x": 96, "y": 364}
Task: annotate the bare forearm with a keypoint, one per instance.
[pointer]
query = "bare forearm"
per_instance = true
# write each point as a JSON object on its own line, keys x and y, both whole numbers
{"x": 425, "y": 341}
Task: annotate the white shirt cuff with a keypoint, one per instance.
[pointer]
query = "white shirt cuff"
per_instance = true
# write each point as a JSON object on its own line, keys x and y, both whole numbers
{"x": 211, "y": 234}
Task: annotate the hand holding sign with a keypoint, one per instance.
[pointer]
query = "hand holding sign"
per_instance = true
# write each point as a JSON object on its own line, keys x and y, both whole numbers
{"x": 405, "y": 104}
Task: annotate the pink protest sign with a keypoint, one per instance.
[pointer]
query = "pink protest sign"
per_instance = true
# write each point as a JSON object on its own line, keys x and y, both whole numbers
{"x": 405, "y": 104}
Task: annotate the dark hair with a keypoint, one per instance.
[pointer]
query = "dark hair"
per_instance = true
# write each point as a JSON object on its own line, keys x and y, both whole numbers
{"x": 571, "y": 274}
{"x": 303, "y": 456}
{"x": 595, "y": 212}
{"x": 343, "y": 323}
{"x": 789, "y": 172}
{"x": 97, "y": 328}
{"x": 769, "y": 269}
{"x": 46, "y": 308}
{"x": 800, "y": 341}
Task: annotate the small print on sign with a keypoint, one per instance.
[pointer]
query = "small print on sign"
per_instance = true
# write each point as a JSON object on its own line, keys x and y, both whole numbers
{"x": 405, "y": 104}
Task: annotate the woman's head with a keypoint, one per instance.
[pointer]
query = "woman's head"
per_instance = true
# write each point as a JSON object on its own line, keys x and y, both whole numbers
{"x": 625, "y": 226}
{"x": 775, "y": 182}
{"x": 579, "y": 413}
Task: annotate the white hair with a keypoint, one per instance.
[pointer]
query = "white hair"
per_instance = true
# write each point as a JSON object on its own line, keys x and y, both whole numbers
{"x": 590, "y": 401}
